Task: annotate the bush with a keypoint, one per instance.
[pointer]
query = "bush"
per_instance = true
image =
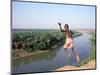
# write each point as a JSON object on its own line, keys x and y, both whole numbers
{"x": 31, "y": 41}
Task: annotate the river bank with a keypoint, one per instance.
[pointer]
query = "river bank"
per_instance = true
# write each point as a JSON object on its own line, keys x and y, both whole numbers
{"x": 23, "y": 54}
{"x": 90, "y": 65}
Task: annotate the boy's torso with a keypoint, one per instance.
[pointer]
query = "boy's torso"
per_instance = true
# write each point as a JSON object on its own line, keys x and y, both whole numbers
{"x": 68, "y": 34}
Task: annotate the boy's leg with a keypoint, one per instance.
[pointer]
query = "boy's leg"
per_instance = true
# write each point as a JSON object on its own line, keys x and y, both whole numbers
{"x": 68, "y": 55}
{"x": 76, "y": 55}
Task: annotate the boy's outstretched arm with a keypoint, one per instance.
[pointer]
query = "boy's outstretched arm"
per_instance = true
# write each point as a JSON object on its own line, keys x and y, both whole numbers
{"x": 60, "y": 27}
{"x": 71, "y": 31}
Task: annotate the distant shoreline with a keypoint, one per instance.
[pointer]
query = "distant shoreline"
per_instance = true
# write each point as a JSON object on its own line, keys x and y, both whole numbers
{"x": 52, "y": 29}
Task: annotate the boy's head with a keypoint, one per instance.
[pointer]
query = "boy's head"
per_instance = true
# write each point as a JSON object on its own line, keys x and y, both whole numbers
{"x": 66, "y": 26}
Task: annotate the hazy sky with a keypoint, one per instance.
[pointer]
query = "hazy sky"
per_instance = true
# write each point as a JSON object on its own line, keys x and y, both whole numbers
{"x": 46, "y": 16}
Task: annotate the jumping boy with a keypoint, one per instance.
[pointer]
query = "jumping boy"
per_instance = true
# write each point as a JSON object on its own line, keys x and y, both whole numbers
{"x": 69, "y": 41}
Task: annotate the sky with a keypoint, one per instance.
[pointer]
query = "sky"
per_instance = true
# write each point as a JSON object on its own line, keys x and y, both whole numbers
{"x": 30, "y": 15}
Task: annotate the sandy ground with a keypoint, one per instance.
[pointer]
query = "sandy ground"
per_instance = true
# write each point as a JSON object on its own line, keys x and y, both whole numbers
{"x": 89, "y": 65}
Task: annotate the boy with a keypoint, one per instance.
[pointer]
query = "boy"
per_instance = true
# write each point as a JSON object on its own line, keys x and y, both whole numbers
{"x": 69, "y": 41}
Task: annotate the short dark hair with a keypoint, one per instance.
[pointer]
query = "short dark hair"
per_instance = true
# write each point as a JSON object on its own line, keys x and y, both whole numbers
{"x": 66, "y": 25}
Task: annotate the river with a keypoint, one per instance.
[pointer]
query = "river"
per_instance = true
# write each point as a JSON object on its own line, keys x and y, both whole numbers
{"x": 53, "y": 59}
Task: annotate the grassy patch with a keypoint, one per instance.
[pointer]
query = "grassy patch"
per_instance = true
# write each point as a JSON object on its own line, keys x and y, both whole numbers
{"x": 93, "y": 48}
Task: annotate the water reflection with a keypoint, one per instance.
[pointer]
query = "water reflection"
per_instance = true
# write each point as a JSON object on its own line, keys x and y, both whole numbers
{"x": 48, "y": 56}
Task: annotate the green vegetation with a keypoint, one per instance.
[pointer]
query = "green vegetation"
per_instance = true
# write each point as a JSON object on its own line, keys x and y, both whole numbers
{"x": 93, "y": 49}
{"x": 92, "y": 55}
{"x": 31, "y": 41}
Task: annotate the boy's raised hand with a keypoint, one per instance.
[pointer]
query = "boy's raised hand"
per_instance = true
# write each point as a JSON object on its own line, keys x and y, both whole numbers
{"x": 59, "y": 23}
